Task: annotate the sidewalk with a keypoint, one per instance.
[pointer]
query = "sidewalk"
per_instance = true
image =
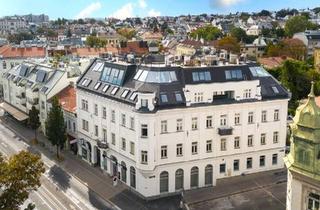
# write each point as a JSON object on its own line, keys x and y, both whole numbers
{"x": 98, "y": 183}
{"x": 236, "y": 185}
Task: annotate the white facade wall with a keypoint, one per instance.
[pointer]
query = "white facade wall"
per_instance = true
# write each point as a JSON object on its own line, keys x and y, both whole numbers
{"x": 147, "y": 175}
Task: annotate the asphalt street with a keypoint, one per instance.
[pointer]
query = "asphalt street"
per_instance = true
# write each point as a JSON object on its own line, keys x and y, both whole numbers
{"x": 58, "y": 190}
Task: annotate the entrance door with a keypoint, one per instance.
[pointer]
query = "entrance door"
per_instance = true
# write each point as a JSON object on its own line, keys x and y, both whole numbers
{"x": 98, "y": 158}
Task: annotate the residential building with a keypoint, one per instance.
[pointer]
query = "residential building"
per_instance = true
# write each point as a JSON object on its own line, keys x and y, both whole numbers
{"x": 30, "y": 84}
{"x": 189, "y": 126}
{"x": 311, "y": 39}
{"x": 316, "y": 56}
{"x": 303, "y": 161}
{"x": 12, "y": 24}
{"x": 256, "y": 49}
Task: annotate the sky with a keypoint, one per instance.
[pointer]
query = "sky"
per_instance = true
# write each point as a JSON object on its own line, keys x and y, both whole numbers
{"x": 74, "y": 9}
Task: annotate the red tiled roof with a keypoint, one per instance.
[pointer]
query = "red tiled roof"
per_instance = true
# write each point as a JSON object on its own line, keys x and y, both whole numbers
{"x": 134, "y": 47}
{"x": 8, "y": 51}
{"x": 272, "y": 62}
{"x": 87, "y": 51}
{"x": 67, "y": 98}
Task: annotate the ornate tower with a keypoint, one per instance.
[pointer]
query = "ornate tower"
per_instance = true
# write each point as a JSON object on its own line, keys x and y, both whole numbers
{"x": 303, "y": 161}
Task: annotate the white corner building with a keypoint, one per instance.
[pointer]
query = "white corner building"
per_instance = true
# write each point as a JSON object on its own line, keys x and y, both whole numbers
{"x": 164, "y": 129}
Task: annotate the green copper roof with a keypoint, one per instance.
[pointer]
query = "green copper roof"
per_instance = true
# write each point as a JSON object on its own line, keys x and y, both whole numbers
{"x": 304, "y": 156}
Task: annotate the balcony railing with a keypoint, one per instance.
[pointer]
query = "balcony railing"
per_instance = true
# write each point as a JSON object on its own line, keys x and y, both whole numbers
{"x": 225, "y": 131}
{"x": 102, "y": 144}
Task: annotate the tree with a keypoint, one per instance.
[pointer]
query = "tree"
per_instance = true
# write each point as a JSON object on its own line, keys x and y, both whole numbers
{"x": 229, "y": 43}
{"x": 298, "y": 24}
{"x": 55, "y": 127}
{"x": 127, "y": 33}
{"x": 93, "y": 41}
{"x": 293, "y": 48}
{"x": 34, "y": 120}
{"x": 264, "y": 13}
{"x": 19, "y": 175}
{"x": 239, "y": 34}
{"x": 69, "y": 34}
{"x": 17, "y": 38}
{"x": 207, "y": 32}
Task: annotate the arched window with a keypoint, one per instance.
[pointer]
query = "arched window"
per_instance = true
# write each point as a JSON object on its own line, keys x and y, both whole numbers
{"x": 123, "y": 172}
{"x": 164, "y": 182}
{"x": 132, "y": 177}
{"x": 208, "y": 175}
{"x": 194, "y": 177}
{"x": 179, "y": 179}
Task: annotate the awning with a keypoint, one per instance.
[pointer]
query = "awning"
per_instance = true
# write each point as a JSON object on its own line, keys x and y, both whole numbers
{"x": 16, "y": 113}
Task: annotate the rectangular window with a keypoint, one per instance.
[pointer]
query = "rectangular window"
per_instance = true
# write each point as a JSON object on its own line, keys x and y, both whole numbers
{"x": 96, "y": 130}
{"x": 96, "y": 109}
{"x": 237, "y": 142}
{"x": 194, "y": 148}
{"x": 250, "y": 118}
{"x": 276, "y": 115}
{"x": 237, "y": 119}
{"x": 250, "y": 140}
{"x": 144, "y": 130}
{"x": 85, "y": 125}
{"x": 123, "y": 120}
{"x": 275, "y": 137}
{"x": 123, "y": 144}
{"x": 132, "y": 148}
{"x": 144, "y": 103}
{"x": 164, "y": 126}
{"x": 113, "y": 138}
{"x": 179, "y": 150}
{"x": 104, "y": 134}
{"x": 264, "y": 116}
{"x": 164, "y": 152}
{"x": 179, "y": 125}
{"x": 223, "y": 120}
{"x": 144, "y": 157}
{"x": 132, "y": 123}
{"x": 84, "y": 105}
{"x": 236, "y": 165}
{"x": 104, "y": 112}
{"x": 222, "y": 168}
{"x": 209, "y": 146}
{"x": 223, "y": 145}
{"x": 113, "y": 116}
{"x": 274, "y": 159}
{"x": 209, "y": 122}
{"x": 262, "y": 160}
{"x": 198, "y": 97}
{"x": 194, "y": 123}
{"x": 263, "y": 139}
{"x": 249, "y": 163}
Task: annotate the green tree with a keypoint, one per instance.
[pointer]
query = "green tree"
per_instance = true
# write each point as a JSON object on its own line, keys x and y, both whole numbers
{"x": 69, "y": 34}
{"x": 239, "y": 33}
{"x": 298, "y": 24}
{"x": 34, "y": 121}
{"x": 293, "y": 48}
{"x": 55, "y": 127}
{"x": 93, "y": 41}
{"x": 127, "y": 33}
{"x": 207, "y": 32}
{"x": 19, "y": 175}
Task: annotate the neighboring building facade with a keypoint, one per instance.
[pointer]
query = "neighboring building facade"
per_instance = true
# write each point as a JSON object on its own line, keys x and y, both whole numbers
{"x": 256, "y": 49}
{"x": 28, "y": 85}
{"x": 12, "y": 24}
{"x": 164, "y": 129}
{"x": 303, "y": 161}
{"x": 316, "y": 56}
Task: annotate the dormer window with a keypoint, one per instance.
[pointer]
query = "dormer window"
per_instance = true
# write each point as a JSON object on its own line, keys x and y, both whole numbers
{"x": 133, "y": 96}
{"x": 105, "y": 88}
{"x": 96, "y": 87}
{"x": 163, "y": 98}
{"x": 114, "y": 90}
{"x": 178, "y": 97}
{"x": 144, "y": 102}
{"x": 125, "y": 93}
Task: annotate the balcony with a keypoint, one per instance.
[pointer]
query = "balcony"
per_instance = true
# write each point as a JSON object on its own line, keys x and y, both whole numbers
{"x": 225, "y": 131}
{"x": 103, "y": 144}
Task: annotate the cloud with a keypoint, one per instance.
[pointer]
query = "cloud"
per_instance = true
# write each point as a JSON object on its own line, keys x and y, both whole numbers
{"x": 154, "y": 13}
{"x": 87, "y": 12}
{"x": 124, "y": 12}
{"x": 224, "y": 3}
{"x": 142, "y": 4}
